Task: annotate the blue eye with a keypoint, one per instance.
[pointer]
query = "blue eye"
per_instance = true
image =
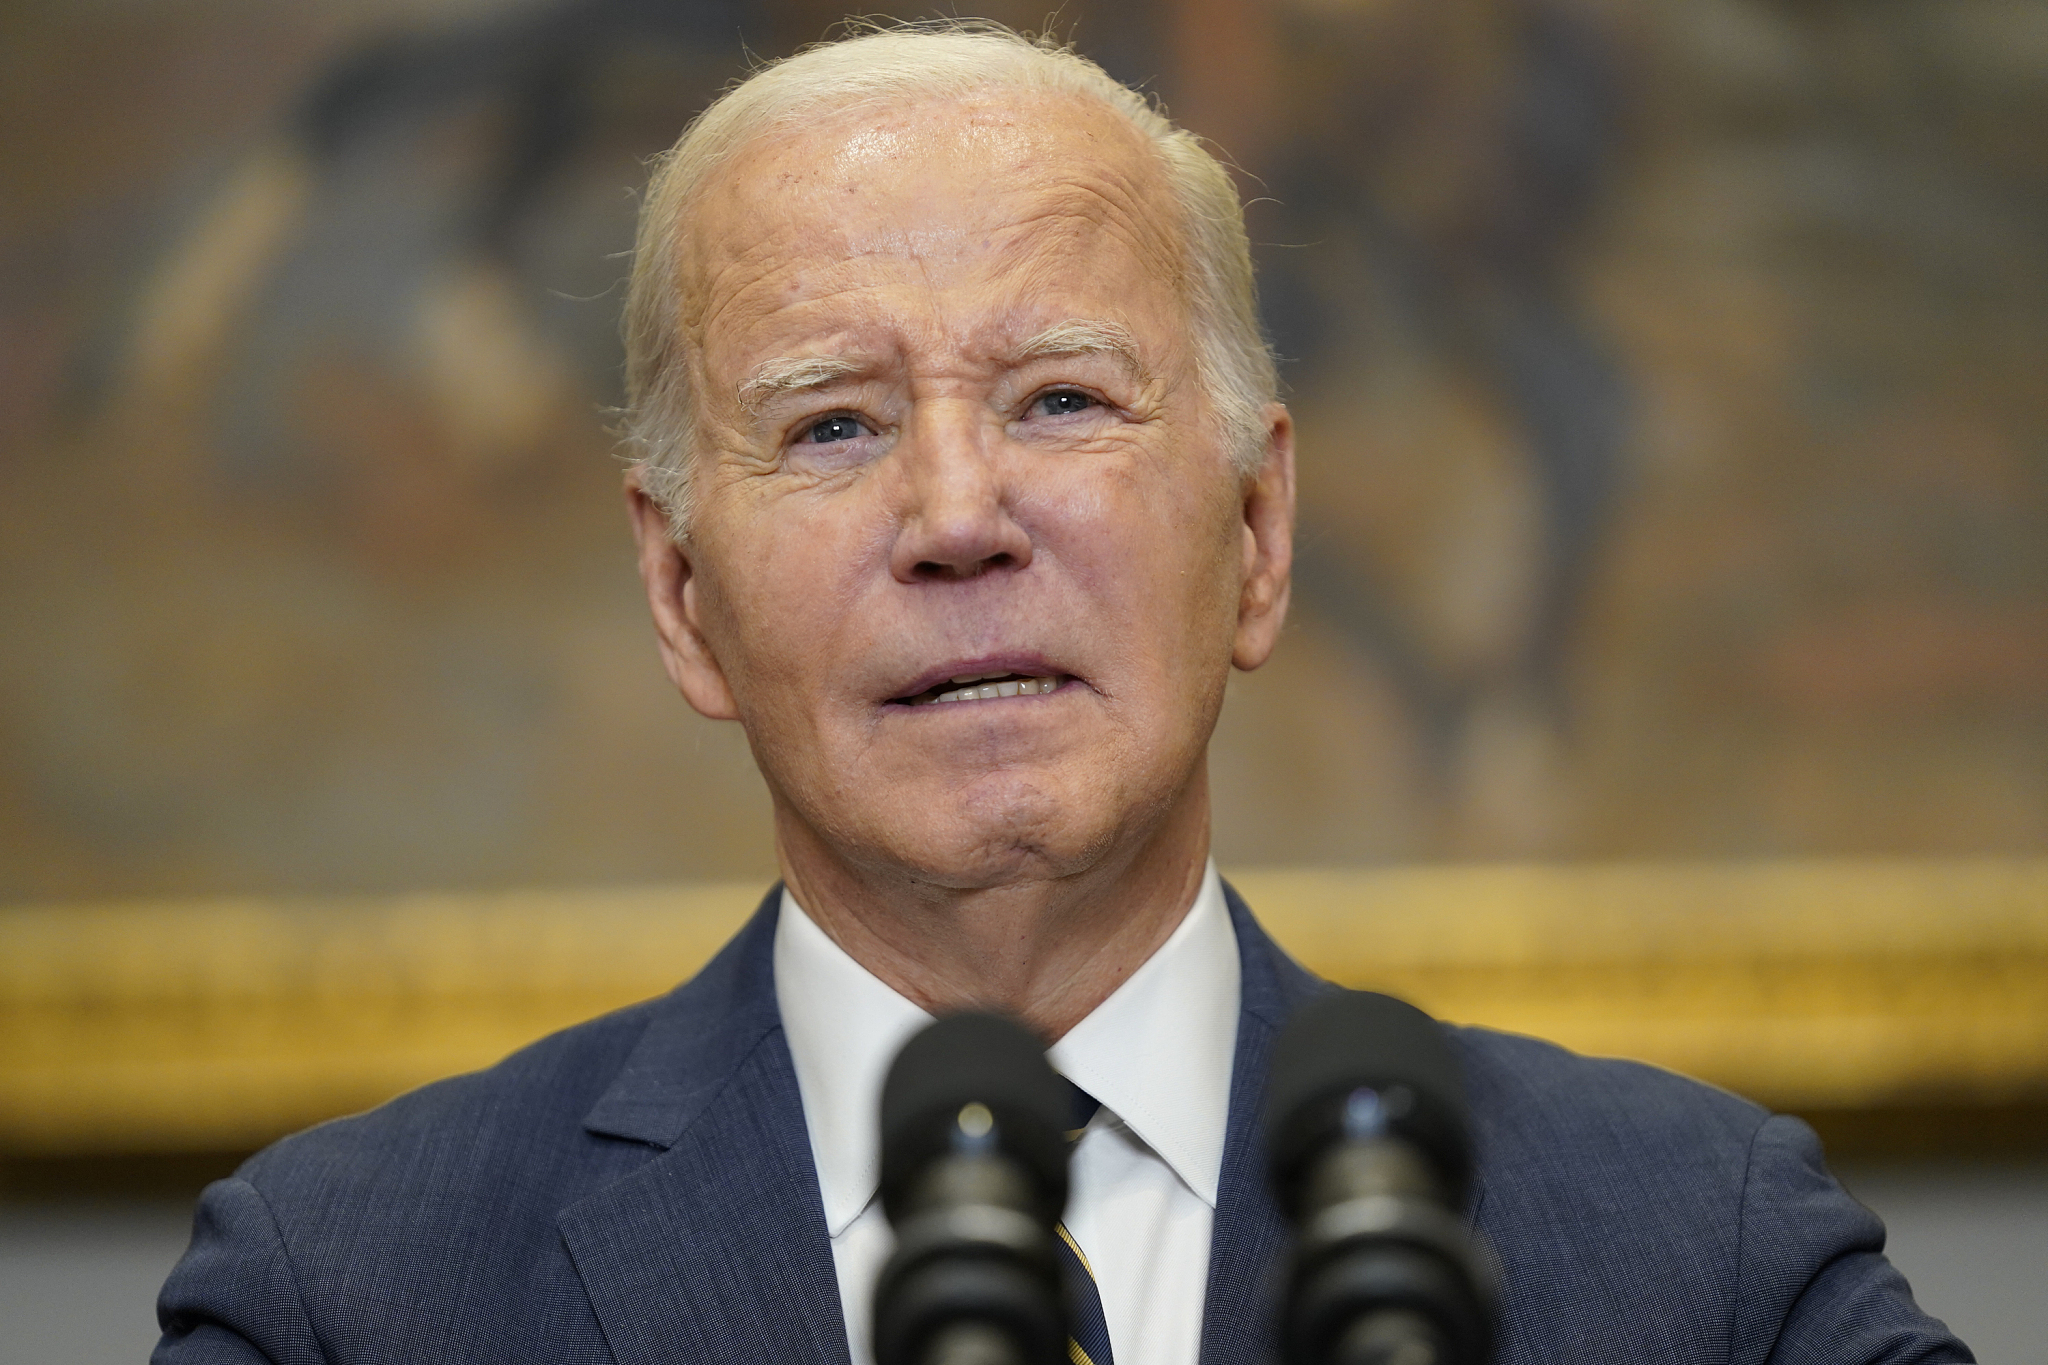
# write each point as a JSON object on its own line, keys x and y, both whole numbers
{"x": 1063, "y": 402}
{"x": 830, "y": 429}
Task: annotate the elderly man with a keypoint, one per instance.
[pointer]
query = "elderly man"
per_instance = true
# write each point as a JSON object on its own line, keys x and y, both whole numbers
{"x": 961, "y": 485}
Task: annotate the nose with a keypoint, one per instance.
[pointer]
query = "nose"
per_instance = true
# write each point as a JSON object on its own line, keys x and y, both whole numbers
{"x": 955, "y": 520}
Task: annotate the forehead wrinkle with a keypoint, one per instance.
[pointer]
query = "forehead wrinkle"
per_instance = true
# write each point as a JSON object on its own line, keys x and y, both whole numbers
{"x": 1079, "y": 218}
{"x": 713, "y": 282}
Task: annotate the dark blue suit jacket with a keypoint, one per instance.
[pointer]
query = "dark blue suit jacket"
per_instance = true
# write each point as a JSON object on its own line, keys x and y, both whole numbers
{"x": 639, "y": 1189}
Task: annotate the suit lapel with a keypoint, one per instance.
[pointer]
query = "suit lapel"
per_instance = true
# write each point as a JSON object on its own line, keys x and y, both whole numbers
{"x": 1248, "y": 1249}
{"x": 715, "y": 1250}
{"x": 1250, "y": 1241}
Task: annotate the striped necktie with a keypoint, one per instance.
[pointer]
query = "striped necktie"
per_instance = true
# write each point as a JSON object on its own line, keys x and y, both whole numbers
{"x": 1089, "y": 1344}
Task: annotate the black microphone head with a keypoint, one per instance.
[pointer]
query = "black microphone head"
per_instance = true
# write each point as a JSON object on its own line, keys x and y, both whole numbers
{"x": 1353, "y": 1064}
{"x": 969, "y": 1059}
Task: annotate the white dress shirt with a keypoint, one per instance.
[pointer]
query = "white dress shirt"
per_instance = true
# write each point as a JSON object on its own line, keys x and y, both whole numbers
{"x": 1157, "y": 1054}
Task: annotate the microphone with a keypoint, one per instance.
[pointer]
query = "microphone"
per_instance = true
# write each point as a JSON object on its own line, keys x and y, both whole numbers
{"x": 1371, "y": 1160}
{"x": 974, "y": 1180}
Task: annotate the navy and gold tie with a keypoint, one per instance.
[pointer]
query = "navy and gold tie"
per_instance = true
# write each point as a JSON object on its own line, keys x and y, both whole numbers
{"x": 1089, "y": 1344}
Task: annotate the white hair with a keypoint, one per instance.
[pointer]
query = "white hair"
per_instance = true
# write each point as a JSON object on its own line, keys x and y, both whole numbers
{"x": 936, "y": 60}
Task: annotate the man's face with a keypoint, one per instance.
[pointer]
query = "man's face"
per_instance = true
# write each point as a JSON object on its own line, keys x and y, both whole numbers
{"x": 950, "y": 433}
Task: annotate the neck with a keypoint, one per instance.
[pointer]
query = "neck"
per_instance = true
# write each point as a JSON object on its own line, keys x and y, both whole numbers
{"x": 1047, "y": 948}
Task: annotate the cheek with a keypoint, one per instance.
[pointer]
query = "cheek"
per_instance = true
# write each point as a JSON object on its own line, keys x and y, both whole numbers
{"x": 1152, "y": 544}
{"x": 778, "y": 599}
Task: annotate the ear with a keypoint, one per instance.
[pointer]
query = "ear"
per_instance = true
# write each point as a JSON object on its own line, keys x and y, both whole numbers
{"x": 672, "y": 592}
{"x": 1268, "y": 545}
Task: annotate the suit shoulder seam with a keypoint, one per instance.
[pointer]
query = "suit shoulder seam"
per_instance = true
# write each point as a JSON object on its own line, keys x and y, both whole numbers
{"x": 1742, "y": 1238}
{"x": 291, "y": 1272}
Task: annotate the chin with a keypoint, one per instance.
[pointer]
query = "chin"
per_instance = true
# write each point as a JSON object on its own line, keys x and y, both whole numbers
{"x": 1030, "y": 833}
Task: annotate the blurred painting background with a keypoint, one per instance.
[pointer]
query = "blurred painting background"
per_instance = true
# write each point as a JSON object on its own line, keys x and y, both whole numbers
{"x": 1672, "y": 378}
{"x": 1673, "y": 381}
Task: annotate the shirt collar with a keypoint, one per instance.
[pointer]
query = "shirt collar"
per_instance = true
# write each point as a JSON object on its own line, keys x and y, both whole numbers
{"x": 1157, "y": 1053}
{"x": 844, "y": 1025}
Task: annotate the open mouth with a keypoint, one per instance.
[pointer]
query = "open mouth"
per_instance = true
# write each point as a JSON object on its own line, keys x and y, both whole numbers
{"x": 986, "y": 687}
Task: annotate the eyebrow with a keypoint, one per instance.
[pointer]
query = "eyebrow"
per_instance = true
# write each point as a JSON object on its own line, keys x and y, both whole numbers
{"x": 772, "y": 379}
{"x": 1085, "y": 336}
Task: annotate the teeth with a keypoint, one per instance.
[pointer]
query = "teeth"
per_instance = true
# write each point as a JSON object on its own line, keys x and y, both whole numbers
{"x": 1028, "y": 687}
